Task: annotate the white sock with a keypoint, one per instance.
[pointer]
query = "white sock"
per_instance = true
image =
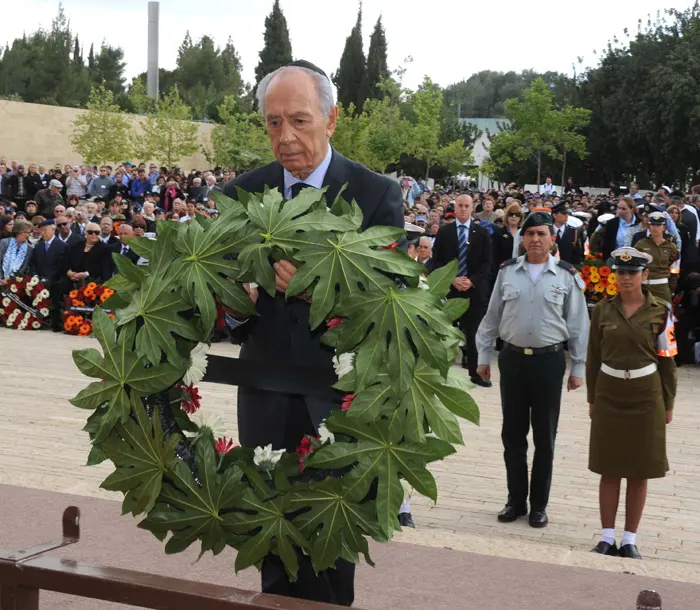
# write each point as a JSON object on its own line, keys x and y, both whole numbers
{"x": 608, "y": 535}
{"x": 628, "y": 538}
{"x": 405, "y": 507}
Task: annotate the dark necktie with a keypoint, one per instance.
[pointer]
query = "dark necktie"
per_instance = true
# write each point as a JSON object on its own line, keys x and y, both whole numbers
{"x": 462, "y": 250}
{"x": 125, "y": 249}
{"x": 296, "y": 188}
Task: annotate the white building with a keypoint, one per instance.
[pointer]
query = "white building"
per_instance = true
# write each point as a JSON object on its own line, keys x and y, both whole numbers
{"x": 487, "y": 127}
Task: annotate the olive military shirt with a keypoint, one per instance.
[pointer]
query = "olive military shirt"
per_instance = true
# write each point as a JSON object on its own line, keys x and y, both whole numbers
{"x": 664, "y": 255}
{"x": 545, "y": 312}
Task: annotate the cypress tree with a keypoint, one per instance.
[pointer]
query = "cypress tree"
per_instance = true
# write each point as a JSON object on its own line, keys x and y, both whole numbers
{"x": 77, "y": 57}
{"x": 350, "y": 77}
{"x": 277, "y": 51}
{"x": 377, "y": 69}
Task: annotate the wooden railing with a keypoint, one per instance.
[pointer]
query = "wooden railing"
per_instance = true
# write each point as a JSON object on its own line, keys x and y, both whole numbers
{"x": 23, "y": 574}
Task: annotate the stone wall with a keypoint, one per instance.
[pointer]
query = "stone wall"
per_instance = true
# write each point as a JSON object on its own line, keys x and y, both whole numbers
{"x": 35, "y": 133}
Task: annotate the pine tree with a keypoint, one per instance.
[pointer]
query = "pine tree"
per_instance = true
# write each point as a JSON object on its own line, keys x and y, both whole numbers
{"x": 350, "y": 77}
{"x": 77, "y": 56}
{"x": 277, "y": 51}
{"x": 377, "y": 69}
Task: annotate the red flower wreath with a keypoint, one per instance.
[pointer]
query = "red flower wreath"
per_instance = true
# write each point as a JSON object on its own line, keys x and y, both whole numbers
{"x": 24, "y": 303}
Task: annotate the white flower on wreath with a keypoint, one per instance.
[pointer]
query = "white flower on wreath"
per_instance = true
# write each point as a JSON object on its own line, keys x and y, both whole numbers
{"x": 343, "y": 363}
{"x": 44, "y": 294}
{"x": 33, "y": 282}
{"x": 44, "y": 312}
{"x": 13, "y": 288}
{"x": 266, "y": 458}
{"x": 204, "y": 420}
{"x": 36, "y": 325}
{"x": 325, "y": 434}
{"x": 198, "y": 366}
{"x": 6, "y": 301}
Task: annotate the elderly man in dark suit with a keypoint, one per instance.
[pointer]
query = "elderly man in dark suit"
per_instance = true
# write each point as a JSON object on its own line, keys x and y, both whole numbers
{"x": 49, "y": 264}
{"x": 300, "y": 114}
{"x": 470, "y": 244}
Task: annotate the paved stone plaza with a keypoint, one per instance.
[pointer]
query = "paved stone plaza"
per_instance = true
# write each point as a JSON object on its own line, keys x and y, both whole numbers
{"x": 42, "y": 447}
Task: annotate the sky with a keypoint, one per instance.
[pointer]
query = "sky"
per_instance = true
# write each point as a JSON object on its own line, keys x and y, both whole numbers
{"x": 447, "y": 39}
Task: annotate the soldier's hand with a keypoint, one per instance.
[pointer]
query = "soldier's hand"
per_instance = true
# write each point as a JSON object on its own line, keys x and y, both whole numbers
{"x": 669, "y": 417}
{"x": 574, "y": 383}
{"x": 284, "y": 272}
{"x": 484, "y": 371}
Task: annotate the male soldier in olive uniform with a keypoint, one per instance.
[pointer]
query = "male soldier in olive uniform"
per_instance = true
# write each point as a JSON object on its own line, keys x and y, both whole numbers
{"x": 537, "y": 306}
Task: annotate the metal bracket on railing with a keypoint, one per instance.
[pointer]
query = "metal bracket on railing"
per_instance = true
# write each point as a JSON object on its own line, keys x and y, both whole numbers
{"x": 71, "y": 535}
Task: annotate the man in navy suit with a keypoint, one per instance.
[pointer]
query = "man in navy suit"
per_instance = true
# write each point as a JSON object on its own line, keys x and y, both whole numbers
{"x": 300, "y": 114}
{"x": 48, "y": 262}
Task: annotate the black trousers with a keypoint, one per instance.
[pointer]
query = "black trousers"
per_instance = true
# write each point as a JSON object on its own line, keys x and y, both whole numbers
{"x": 330, "y": 586}
{"x": 469, "y": 324}
{"x": 530, "y": 394}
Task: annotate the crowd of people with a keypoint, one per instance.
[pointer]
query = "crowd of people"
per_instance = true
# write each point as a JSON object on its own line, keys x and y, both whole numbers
{"x": 664, "y": 223}
{"x": 64, "y": 224}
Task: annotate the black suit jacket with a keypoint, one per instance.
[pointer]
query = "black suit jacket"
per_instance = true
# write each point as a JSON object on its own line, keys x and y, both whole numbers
{"x": 73, "y": 238}
{"x": 502, "y": 247}
{"x": 570, "y": 246}
{"x": 279, "y": 336}
{"x": 479, "y": 257}
{"x": 50, "y": 265}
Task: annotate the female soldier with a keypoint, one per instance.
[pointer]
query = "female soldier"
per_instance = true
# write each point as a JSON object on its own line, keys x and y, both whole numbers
{"x": 663, "y": 272}
{"x": 631, "y": 379}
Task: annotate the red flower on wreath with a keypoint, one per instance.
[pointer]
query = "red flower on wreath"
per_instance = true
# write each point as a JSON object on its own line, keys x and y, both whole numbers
{"x": 347, "y": 401}
{"x": 391, "y": 246}
{"x": 191, "y": 398}
{"x": 223, "y": 445}
{"x": 333, "y": 322}
{"x": 305, "y": 448}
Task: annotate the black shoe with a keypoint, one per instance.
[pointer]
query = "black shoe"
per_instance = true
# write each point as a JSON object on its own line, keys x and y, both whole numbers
{"x": 605, "y": 548}
{"x": 476, "y": 380}
{"x": 405, "y": 520}
{"x": 629, "y": 551}
{"x": 465, "y": 365}
{"x": 57, "y": 329}
{"x": 511, "y": 513}
{"x": 538, "y": 518}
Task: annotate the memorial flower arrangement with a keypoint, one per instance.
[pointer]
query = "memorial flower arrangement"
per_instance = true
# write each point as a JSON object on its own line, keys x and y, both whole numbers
{"x": 394, "y": 342}
{"x": 600, "y": 280}
{"x": 80, "y": 305}
{"x": 24, "y": 303}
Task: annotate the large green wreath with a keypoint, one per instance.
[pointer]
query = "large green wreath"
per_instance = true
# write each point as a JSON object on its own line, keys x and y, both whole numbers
{"x": 403, "y": 398}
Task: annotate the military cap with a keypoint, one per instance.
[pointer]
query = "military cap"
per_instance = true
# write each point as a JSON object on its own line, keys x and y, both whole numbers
{"x": 648, "y": 208}
{"x": 560, "y": 208}
{"x": 413, "y": 232}
{"x": 630, "y": 258}
{"x": 537, "y": 218}
{"x": 603, "y": 218}
{"x": 46, "y": 223}
{"x": 657, "y": 218}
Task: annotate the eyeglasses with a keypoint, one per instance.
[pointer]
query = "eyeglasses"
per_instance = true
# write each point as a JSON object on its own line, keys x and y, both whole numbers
{"x": 92, "y": 232}
{"x": 514, "y": 215}
{"x": 62, "y": 224}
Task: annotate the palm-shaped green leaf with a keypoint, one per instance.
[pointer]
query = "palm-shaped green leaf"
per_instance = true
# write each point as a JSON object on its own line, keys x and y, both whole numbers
{"x": 142, "y": 456}
{"x": 332, "y": 520}
{"x": 268, "y": 529}
{"x": 391, "y": 325}
{"x": 158, "y": 307}
{"x": 194, "y": 510}
{"x": 378, "y": 454}
{"x": 120, "y": 368}
{"x": 344, "y": 262}
{"x": 207, "y": 257}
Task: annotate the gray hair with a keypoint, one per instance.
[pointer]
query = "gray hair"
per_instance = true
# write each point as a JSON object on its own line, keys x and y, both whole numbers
{"x": 323, "y": 87}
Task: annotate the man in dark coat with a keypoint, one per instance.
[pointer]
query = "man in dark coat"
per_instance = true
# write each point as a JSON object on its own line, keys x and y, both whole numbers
{"x": 298, "y": 109}
{"x": 569, "y": 240}
{"x": 470, "y": 244}
{"x": 48, "y": 262}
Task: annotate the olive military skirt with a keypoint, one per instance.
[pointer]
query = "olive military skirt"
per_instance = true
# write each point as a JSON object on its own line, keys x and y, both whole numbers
{"x": 628, "y": 428}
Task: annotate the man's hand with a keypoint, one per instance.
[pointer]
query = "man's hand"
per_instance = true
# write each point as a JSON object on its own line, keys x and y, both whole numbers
{"x": 284, "y": 272}
{"x": 574, "y": 383}
{"x": 669, "y": 417}
{"x": 484, "y": 371}
{"x": 462, "y": 283}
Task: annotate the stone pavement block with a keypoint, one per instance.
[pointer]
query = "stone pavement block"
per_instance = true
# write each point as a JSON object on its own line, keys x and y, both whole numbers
{"x": 42, "y": 446}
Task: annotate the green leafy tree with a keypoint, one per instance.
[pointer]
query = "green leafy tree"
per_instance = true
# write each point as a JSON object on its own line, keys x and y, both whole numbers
{"x": 426, "y": 105}
{"x": 377, "y": 69}
{"x": 242, "y": 141}
{"x": 277, "y": 50}
{"x": 139, "y": 100}
{"x": 103, "y": 133}
{"x": 169, "y": 134}
{"x": 538, "y": 129}
{"x": 350, "y": 77}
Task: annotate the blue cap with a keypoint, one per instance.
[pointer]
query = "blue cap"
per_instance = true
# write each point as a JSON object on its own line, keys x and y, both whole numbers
{"x": 47, "y": 223}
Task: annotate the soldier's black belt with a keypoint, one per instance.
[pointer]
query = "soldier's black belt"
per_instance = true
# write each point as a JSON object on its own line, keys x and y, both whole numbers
{"x": 535, "y": 351}
{"x": 271, "y": 377}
